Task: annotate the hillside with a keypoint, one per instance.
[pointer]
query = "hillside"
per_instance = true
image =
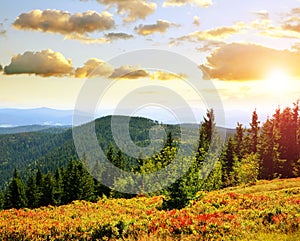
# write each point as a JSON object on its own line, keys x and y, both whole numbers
{"x": 32, "y": 128}
{"x": 266, "y": 210}
{"x": 48, "y": 149}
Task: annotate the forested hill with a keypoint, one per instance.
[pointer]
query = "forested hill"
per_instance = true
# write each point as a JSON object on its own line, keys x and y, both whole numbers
{"x": 48, "y": 150}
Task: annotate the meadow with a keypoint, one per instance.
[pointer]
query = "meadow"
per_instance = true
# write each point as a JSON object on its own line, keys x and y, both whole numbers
{"x": 264, "y": 210}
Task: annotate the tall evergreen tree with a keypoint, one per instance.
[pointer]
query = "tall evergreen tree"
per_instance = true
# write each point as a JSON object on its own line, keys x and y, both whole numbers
{"x": 78, "y": 183}
{"x": 228, "y": 159}
{"x": 58, "y": 186}
{"x": 268, "y": 151}
{"x": 48, "y": 192}
{"x": 286, "y": 122}
{"x": 254, "y": 131}
{"x": 239, "y": 141}
{"x": 206, "y": 133}
{"x": 32, "y": 193}
{"x": 1, "y": 200}
{"x": 15, "y": 195}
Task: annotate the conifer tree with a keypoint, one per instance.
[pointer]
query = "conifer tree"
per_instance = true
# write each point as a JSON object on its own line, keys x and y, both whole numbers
{"x": 78, "y": 183}
{"x": 228, "y": 159}
{"x": 32, "y": 193}
{"x": 15, "y": 195}
{"x": 47, "y": 197}
{"x": 1, "y": 200}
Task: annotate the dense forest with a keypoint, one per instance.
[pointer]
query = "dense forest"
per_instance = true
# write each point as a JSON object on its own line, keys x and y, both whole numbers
{"x": 265, "y": 150}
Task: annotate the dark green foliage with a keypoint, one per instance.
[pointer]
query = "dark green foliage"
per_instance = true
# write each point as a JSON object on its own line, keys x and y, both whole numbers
{"x": 58, "y": 187}
{"x": 33, "y": 193}
{"x": 268, "y": 151}
{"x": 78, "y": 183}
{"x": 48, "y": 191}
{"x": 228, "y": 159}
{"x": 15, "y": 195}
{"x": 1, "y": 200}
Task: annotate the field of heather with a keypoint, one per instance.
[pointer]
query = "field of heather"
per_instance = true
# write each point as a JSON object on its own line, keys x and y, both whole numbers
{"x": 266, "y": 210}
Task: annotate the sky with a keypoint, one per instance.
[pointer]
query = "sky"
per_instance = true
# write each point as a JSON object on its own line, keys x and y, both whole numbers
{"x": 152, "y": 58}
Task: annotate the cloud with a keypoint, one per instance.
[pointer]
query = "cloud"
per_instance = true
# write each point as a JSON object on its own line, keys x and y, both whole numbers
{"x": 86, "y": 39}
{"x": 2, "y": 31}
{"x": 262, "y": 14}
{"x": 243, "y": 62}
{"x": 55, "y": 21}
{"x": 133, "y": 9}
{"x": 94, "y": 67}
{"x": 296, "y": 47}
{"x": 211, "y": 34}
{"x": 160, "y": 26}
{"x": 117, "y": 36}
{"x": 196, "y": 21}
{"x": 45, "y": 63}
{"x": 288, "y": 28}
{"x": 160, "y": 75}
{"x": 292, "y": 23}
{"x": 129, "y": 72}
{"x": 210, "y": 45}
{"x": 179, "y": 3}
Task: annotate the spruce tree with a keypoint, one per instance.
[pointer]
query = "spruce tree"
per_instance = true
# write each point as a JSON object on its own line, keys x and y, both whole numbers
{"x": 32, "y": 193}
{"x": 254, "y": 131}
{"x": 15, "y": 195}
{"x": 47, "y": 197}
{"x": 268, "y": 151}
{"x": 228, "y": 159}
{"x": 1, "y": 200}
{"x": 78, "y": 183}
{"x": 58, "y": 187}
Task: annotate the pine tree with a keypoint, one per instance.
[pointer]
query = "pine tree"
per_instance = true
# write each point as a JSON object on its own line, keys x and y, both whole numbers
{"x": 58, "y": 187}
{"x": 39, "y": 179}
{"x": 254, "y": 132}
{"x": 15, "y": 195}
{"x": 268, "y": 151}
{"x": 32, "y": 193}
{"x": 1, "y": 200}
{"x": 286, "y": 122}
{"x": 47, "y": 197}
{"x": 78, "y": 183}
{"x": 239, "y": 141}
{"x": 228, "y": 159}
{"x": 206, "y": 134}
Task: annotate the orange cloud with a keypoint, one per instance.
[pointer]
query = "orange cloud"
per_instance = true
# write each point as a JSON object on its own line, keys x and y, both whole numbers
{"x": 55, "y": 21}
{"x": 45, "y": 63}
{"x": 196, "y": 21}
{"x": 160, "y": 26}
{"x": 179, "y": 3}
{"x": 160, "y": 75}
{"x": 129, "y": 72}
{"x": 134, "y": 9}
{"x": 289, "y": 27}
{"x": 94, "y": 67}
{"x": 211, "y": 34}
{"x": 243, "y": 62}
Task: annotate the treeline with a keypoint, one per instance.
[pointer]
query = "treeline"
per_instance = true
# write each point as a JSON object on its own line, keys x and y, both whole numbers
{"x": 263, "y": 151}
{"x": 67, "y": 184}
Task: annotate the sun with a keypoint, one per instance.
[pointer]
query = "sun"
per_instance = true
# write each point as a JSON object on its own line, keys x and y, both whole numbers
{"x": 277, "y": 80}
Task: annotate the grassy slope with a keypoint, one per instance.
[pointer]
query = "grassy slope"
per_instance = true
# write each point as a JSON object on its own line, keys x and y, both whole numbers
{"x": 266, "y": 210}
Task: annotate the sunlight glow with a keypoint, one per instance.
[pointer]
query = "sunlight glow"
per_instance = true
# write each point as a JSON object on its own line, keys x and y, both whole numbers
{"x": 277, "y": 80}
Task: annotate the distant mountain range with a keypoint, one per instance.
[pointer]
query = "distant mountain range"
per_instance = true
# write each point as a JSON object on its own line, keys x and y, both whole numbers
{"x": 38, "y": 116}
